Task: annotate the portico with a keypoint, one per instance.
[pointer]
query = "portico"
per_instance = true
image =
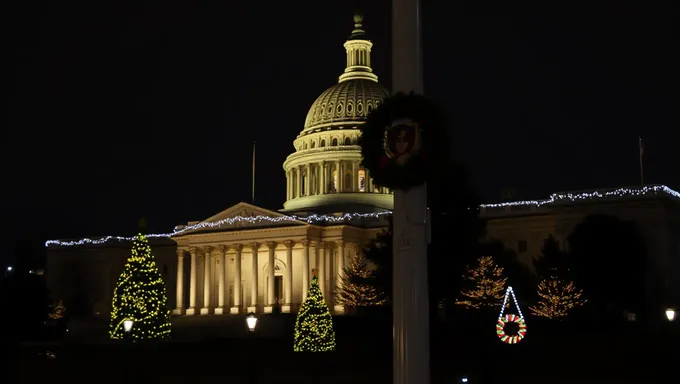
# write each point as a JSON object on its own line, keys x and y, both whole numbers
{"x": 256, "y": 267}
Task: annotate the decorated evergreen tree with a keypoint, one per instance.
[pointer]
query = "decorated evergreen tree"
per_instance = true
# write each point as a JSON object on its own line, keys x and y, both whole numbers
{"x": 557, "y": 298}
{"x": 58, "y": 311}
{"x": 485, "y": 285}
{"x": 314, "y": 325}
{"x": 356, "y": 290}
{"x": 140, "y": 296}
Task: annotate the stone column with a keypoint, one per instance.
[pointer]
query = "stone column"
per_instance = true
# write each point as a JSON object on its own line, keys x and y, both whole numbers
{"x": 340, "y": 263}
{"x": 288, "y": 278}
{"x": 253, "y": 278}
{"x": 355, "y": 177}
{"x": 206, "y": 282}
{"x": 321, "y": 267}
{"x": 322, "y": 178}
{"x": 308, "y": 180}
{"x": 271, "y": 277}
{"x": 305, "y": 268}
{"x": 298, "y": 180}
{"x": 287, "y": 185}
{"x": 221, "y": 281}
{"x": 180, "y": 283}
{"x": 237, "y": 280}
{"x": 192, "y": 283}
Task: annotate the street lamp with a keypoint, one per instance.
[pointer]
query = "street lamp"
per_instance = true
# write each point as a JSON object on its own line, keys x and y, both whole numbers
{"x": 670, "y": 314}
{"x": 251, "y": 321}
{"x": 127, "y": 325}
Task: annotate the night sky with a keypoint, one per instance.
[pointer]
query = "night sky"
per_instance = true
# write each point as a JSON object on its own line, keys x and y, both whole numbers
{"x": 119, "y": 110}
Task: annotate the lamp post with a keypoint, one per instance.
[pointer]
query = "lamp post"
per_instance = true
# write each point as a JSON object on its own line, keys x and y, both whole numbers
{"x": 251, "y": 322}
{"x": 670, "y": 314}
{"x": 127, "y": 327}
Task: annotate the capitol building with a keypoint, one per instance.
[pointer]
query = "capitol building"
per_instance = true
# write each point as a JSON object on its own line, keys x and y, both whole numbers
{"x": 248, "y": 258}
{"x": 251, "y": 259}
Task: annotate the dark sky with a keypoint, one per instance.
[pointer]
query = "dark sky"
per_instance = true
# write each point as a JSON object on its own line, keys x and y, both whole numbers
{"x": 120, "y": 110}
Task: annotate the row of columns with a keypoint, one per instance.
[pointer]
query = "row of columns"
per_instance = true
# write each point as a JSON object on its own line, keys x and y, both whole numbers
{"x": 317, "y": 179}
{"x": 222, "y": 276}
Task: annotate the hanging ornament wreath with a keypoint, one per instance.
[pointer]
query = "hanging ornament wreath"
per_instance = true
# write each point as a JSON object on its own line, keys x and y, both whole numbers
{"x": 404, "y": 142}
{"x": 511, "y": 318}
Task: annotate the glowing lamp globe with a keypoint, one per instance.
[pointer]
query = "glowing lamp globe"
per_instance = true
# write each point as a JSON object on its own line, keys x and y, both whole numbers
{"x": 127, "y": 325}
{"x": 251, "y": 320}
{"x": 670, "y": 314}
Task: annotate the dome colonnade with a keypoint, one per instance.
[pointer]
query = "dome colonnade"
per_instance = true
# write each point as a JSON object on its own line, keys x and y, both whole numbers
{"x": 325, "y": 168}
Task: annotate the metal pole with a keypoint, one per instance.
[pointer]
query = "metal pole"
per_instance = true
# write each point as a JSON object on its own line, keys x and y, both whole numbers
{"x": 642, "y": 152}
{"x": 253, "y": 189}
{"x": 411, "y": 350}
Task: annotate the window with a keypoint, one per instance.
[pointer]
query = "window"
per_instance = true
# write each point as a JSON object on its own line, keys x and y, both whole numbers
{"x": 334, "y": 143}
{"x": 323, "y": 143}
{"x": 313, "y": 144}
{"x": 362, "y": 180}
{"x": 522, "y": 246}
{"x": 348, "y": 141}
{"x": 335, "y": 181}
{"x": 305, "y": 146}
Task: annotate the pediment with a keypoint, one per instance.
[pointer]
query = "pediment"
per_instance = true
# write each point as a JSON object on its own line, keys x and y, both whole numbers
{"x": 243, "y": 216}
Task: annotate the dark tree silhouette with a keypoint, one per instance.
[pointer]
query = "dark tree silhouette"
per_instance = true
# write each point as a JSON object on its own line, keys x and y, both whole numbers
{"x": 609, "y": 261}
{"x": 379, "y": 253}
{"x": 519, "y": 275}
{"x": 552, "y": 261}
{"x": 24, "y": 295}
{"x": 456, "y": 231}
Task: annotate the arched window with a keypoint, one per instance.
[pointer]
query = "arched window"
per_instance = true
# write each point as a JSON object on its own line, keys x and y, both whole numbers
{"x": 323, "y": 143}
{"x": 362, "y": 180}
{"x": 313, "y": 144}
{"x": 348, "y": 141}
{"x": 334, "y": 143}
{"x": 305, "y": 147}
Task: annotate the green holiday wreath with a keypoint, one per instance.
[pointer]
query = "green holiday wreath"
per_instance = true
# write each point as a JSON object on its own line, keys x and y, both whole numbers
{"x": 404, "y": 142}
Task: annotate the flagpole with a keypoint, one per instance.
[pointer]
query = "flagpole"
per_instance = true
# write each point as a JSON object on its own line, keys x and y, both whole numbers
{"x": 253, "y": 189}
{"x": 642, "y": 152}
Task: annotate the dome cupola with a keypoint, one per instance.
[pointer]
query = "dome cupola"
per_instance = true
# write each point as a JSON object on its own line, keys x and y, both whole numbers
{"x": 324, "y": 172}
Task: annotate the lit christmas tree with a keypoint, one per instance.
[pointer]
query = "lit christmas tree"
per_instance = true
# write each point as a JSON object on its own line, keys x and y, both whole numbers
{"x": 58, "y": 311}
{"x": 557, "y": 298}
{"x": 140, "y": 296}
{"x": 355, "y": 291}
{"x": 486, "y": 285}
{"x": 314, "y": 325}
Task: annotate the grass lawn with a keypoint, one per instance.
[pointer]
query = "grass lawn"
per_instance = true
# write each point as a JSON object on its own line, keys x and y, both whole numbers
{"x": 220, "y": 348}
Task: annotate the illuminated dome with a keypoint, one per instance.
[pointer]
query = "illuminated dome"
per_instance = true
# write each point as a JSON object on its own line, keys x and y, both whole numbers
{"x": 345, "y": 102}
{"x": 324, "y": 174}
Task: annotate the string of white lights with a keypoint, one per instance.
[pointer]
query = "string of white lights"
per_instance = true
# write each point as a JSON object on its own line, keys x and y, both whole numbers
{"x": 509, "y": 292}
{"x": 227, "y": 222}
{"x": 574, "y": 197}
{"x": 554, "y": 198}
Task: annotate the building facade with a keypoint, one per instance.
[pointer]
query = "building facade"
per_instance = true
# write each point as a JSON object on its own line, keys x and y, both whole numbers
{"x": 523, "y": 226}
